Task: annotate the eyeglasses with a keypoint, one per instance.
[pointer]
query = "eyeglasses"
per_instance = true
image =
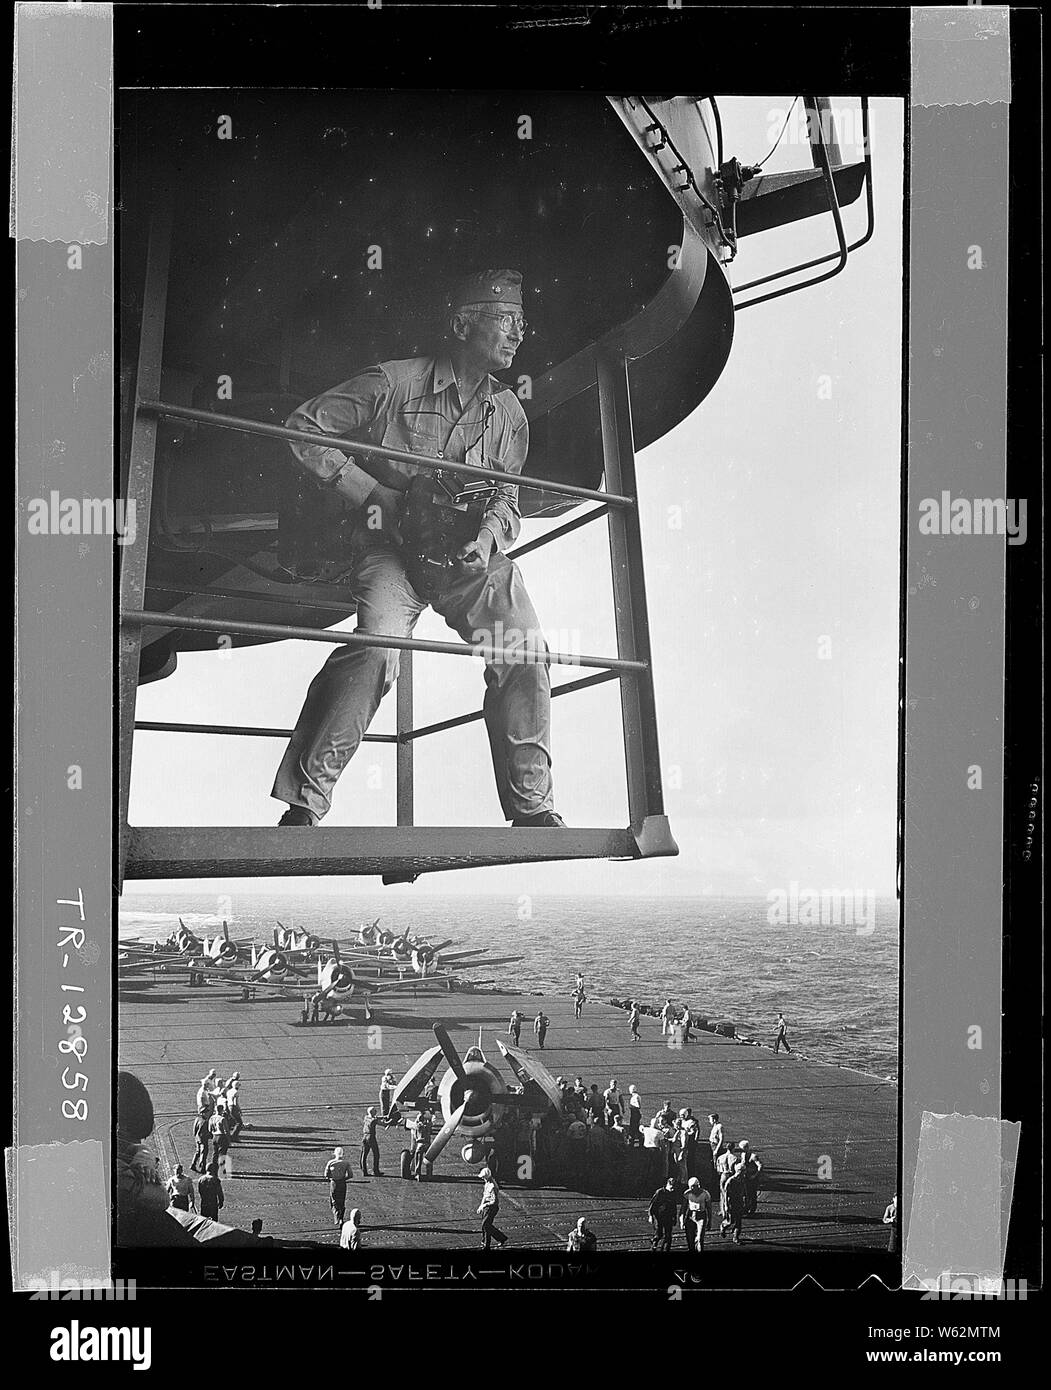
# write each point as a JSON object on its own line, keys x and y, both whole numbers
{"x": 506, "y": 321}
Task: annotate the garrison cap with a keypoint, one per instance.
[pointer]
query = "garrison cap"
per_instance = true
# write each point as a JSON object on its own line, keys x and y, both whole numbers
{"x": 488, "y": 287}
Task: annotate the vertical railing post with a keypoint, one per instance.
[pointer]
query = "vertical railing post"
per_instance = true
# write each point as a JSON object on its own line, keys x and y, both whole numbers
{"x": 638, "y": 710}
{"x": 405, "y": 745}
{"x": 139, "y": 491}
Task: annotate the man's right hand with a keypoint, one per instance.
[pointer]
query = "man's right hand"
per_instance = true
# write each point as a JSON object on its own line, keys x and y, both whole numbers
{"x": 383, "y": 512}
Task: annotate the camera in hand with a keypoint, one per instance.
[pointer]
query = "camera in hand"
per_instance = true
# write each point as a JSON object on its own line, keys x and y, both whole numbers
{"x": 442, "y": 514}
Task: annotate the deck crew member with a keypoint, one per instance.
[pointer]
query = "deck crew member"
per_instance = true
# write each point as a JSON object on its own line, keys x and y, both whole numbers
{"x": 734, "y": 1202}
{"x": 540, "y": 1024}
{"x": 634, "y": 1118}
{"x": 752, "y": 1169}
{"x": 677, "y": 1152}
{"x": 663, "y": 1211}
{"x": 219, "y": 1133}
{"x": 200, "y": 1138}
{"x": 210, "y": 1193}
{"x": 686, "y": 1021}
{"x": 180, "y": 1190}
{"x": 337, "y": 1171}
{"x": 614, "y": 1103}
{"x": 715, "y": 1137}
{"x": 667, "y": 1017}
{"x": 350, "y": 1235}
{"x": 725, "y": 1165}
{"x": 233, "y": 1104}
{"x": 206, "y": 1095}
{"x": 447, "y": 406}
{"x": 633, "y": 1020}
{"x": 665, "y": 1116}
{"x": 370, "y": 1144}
{"x": 488, "y": 1209}
{"x": 595, "y": 1105}
{"x": 514, "y": 1027}
{"x": 581, "y": 1240}
{"x": 388, "y": 1084}
{"x": 579, "y": 1000}
{"x": 781, "y": 1030}
{"x": 696, "y": 1215}
{"x": 691, "y": 1133}
{"x": 422, "y": 1134}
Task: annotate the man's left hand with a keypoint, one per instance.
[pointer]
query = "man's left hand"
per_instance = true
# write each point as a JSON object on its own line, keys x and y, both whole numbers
{"x": 474, "y": 556}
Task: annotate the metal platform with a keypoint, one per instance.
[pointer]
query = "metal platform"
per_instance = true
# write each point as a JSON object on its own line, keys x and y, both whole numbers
{"x": 396, "y": 852}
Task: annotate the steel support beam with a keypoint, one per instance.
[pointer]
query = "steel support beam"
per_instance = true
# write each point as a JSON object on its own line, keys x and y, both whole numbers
{"x": 557, "y": 533}
{"x": 638, "y": 710}
{"x": 139, "y": 494}
{"x": 405, "y": 749}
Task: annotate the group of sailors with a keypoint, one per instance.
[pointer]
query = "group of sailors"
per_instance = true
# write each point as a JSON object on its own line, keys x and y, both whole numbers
{"x": 586, "y": 1107}
{"x": 540, "y": 1026}
{"x": 219, "y": 1120}
{"x": 728, "y": 1171}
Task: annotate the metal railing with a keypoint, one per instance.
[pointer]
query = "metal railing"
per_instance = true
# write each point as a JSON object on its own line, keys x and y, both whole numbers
{"x": 841, "y": 255}
{"x": 354, "y": 446}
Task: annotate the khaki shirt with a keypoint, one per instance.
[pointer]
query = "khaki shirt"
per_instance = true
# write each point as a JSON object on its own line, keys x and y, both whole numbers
{"x": 414, "y": 405}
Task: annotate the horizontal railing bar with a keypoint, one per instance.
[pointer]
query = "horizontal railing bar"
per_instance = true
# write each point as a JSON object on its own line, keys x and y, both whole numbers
{"x": 237, "y": 730}
{"x": 355, "y": 446}
{"x": 558, "y": 532}
{"x": 518, "y": 657}
{"x": 477, "y": 714}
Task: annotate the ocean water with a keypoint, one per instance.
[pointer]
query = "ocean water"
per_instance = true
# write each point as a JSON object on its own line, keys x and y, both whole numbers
{"x": 837, "y": 986}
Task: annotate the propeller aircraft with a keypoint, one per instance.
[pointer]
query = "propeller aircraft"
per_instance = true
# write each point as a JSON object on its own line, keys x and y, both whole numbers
{"x": 472, "y": 1095}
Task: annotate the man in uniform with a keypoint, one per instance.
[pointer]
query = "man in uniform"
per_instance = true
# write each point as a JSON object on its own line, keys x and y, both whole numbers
{"x": 663, "y": 1213}
{"x": 180, "y": 1190}
{"x": 488, "y": 1209}
{"x": 201, "y": 1138}
{"x": 210, "y": 1193}
{"x": 696, "y": 1214}
{"x": 369, "y": 1143}
{"x": 422, "y": 1134}
{"x": 447, "y": 406}
{"x": 337, "y": 1172}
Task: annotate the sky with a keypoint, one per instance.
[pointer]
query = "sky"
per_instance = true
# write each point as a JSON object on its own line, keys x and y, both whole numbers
{"x": 771, "y": 534}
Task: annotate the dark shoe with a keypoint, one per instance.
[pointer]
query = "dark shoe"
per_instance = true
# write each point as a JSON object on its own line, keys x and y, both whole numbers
{"x": 298, "y": 815}
{"x": 543, "y": 820}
